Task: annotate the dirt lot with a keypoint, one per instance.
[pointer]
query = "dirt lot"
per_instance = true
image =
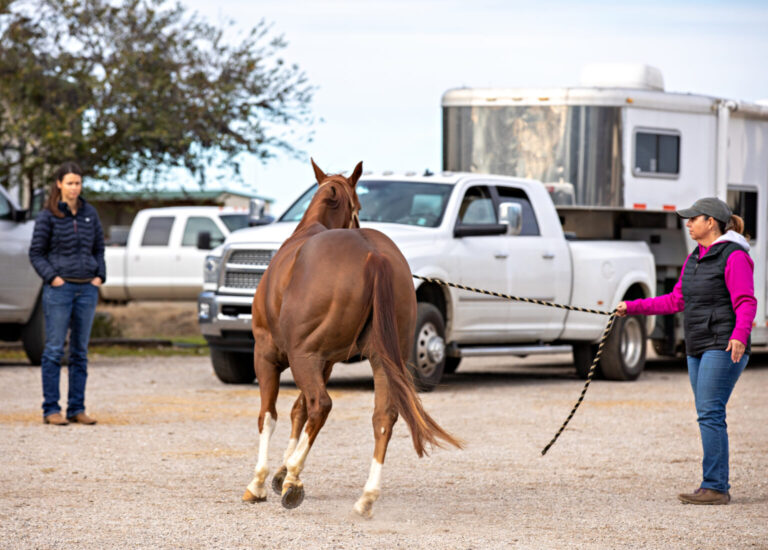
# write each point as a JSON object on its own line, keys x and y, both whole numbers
{"x": 174, "y": 449}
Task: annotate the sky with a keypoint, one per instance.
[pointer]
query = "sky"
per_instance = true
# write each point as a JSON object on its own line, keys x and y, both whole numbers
{"x": 381, "y": 67}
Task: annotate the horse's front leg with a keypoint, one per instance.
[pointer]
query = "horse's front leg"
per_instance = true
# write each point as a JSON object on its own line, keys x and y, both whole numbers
{"x": 308, "y": 374}
{"x": 269, "y": 385}
{"x": 384, "y": 417}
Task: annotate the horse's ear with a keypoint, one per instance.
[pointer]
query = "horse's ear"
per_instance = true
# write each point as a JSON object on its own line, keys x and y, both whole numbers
{"x": 319, "y": 174}
{"x": 358, "y": 171}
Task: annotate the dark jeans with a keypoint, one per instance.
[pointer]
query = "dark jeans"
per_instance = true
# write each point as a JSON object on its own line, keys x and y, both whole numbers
{"x": 713, "y": 376}
{"x": 70, "y": 306}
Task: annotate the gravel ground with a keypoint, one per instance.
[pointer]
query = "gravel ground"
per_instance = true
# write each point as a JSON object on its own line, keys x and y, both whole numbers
{"x": 174, "y": 449}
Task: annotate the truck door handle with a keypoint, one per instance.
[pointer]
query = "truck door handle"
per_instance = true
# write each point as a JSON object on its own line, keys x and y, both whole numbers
{"x": 548, "y": 255}
{"x": 500, "y": 255}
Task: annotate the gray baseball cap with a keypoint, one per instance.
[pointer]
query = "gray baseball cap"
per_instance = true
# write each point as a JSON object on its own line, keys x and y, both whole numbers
{"x": 709, "y": 206}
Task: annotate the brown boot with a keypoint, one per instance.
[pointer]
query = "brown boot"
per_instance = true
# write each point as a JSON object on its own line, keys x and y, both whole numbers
{"x": 82, "y": 418}
{"x": 705, "y": 496}
{"x": 56, "y": 419}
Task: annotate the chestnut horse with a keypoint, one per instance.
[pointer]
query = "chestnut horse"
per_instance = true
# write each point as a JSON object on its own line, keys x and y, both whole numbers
{"x": 333, "y": 291}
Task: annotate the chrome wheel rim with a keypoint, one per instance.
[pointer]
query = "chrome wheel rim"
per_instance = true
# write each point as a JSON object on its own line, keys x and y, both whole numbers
{"x": 632, "y": 342}
{"x": 430, "y": 350}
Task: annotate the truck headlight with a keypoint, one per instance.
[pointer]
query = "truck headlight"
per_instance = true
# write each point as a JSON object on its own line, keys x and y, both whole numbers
{"x": 211, "y": 269}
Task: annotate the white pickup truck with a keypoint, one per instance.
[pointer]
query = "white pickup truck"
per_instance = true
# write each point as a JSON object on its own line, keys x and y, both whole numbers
{"x": 161, "y": 259}
{"x": 452, "y": 227}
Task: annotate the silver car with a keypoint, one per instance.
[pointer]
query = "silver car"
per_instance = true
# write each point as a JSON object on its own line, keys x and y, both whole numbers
{"x": 21, "y": 311}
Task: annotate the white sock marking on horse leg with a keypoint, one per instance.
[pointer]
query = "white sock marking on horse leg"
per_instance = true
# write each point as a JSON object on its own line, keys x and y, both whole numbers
{"x": 371, "y": 491}
{"x": 295, "y": 462}
{"x": 292, "y": 442}
{"x": 256, "y": 486}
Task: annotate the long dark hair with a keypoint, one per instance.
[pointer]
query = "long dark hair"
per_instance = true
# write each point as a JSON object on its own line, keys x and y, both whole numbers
{"x": 54, "y": 196}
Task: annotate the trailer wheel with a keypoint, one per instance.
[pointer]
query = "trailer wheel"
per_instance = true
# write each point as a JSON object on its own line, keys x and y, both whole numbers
{"x": 624, "y": 352}
{"x": 428, "y": 353}
{"x": 233, "y": 367}
{"x": 33, "y": 334}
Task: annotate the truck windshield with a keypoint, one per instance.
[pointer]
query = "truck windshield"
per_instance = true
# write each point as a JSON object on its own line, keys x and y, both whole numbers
{"x": 404, "y": 202}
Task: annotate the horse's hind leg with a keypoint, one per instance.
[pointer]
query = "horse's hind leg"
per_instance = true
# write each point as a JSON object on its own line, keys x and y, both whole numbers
{"x": 308, "y": 375}
{"x": 384, "y": 417}
{"x": 269, "y": 385}
{"x": 298, "y": 419}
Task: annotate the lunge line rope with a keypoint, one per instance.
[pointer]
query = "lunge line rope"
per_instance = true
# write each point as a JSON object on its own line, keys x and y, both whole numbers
{"x": 592, "y": 368}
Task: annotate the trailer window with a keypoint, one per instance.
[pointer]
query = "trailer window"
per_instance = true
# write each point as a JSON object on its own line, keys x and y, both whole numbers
{"x": 657, "y": 153}
{"x": 744, "y": 204}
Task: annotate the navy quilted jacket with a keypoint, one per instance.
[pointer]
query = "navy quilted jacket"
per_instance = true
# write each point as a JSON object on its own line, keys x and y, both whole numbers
{"x": 71, "y": 247}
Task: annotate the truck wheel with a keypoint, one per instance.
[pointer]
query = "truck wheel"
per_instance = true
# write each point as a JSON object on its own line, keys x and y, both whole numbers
{"x": 428, "y": 354}
{"x": 33, "y": 334}
{"x": 232, "y": 367}
{"x": 624, "y": 352}
{"x": 451, "y": 364}
{"x": 583, "y": 355}
{"x": 661, "y": 347}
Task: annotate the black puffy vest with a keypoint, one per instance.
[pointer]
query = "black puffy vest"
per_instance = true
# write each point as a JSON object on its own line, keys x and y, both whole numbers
{"x": 709, "y": 315}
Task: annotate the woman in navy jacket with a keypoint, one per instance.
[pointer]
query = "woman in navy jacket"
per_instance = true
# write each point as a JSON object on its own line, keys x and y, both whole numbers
{"x": 67, "y": 251}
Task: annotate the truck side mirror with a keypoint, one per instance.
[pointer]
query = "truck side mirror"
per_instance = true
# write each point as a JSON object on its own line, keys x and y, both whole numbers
{"x": 256, "y": 215}
{"x": 20, "y": 215}
{"x": 204, "y": 240}
{"x": 511, "y": 215}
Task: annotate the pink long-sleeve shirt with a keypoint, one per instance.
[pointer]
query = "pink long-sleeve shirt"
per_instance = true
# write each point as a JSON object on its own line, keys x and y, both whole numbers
{"x": 739, "y": 279}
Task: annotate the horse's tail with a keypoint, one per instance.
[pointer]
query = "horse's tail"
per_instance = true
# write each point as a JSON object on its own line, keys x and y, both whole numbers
{"x": 384, "y": 344}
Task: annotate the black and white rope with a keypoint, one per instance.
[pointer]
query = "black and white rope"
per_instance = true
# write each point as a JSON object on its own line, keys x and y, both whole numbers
{"x": 592, "y": 368}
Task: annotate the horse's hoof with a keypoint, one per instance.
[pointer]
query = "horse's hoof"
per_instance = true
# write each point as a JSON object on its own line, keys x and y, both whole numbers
{"x": 251, "y": 498}
{"x": 364, "y": 508}
{"x": 293, "y": 496}
{"x": 277, "y": 480}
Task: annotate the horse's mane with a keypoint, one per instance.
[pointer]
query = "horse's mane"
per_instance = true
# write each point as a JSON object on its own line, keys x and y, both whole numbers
{"x": 334, "y": 202}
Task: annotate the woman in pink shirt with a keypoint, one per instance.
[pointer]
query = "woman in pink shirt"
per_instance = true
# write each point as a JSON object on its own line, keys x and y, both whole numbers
{"x": 716, "y": 293}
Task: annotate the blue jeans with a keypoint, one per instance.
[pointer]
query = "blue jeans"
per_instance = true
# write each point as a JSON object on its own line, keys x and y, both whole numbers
{"x": 713, "y": 376}
{"x": 70, "y": 306}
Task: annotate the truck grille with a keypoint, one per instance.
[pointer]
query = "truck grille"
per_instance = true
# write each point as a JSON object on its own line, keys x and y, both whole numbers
{"x": 238, "y": 279}
{"x": 243, "y": 269}
{"x": 251, "y": 257}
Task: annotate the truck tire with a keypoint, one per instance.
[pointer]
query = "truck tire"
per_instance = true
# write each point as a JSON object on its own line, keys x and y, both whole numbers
{"x": 624, "y": 351}
{"x": 428, "y": 353}
{"x": 33, "y": 334}
{"x": 583, "y": 355}
{"x": 232, "y": 367}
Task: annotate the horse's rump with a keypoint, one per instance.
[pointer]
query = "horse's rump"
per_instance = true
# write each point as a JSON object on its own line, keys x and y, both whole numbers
{"x": 326, "y": 301}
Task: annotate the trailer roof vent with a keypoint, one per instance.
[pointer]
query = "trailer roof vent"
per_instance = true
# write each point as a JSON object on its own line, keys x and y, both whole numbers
{"x": 622, "y": 75}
